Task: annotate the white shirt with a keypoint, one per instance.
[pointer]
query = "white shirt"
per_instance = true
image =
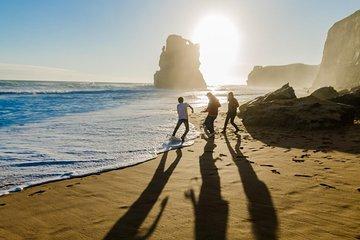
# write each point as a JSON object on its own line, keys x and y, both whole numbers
{"x": 182, "y": 110}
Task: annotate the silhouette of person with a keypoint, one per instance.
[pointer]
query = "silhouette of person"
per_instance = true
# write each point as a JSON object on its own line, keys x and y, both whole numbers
{"x": 127, "y": 227}
{"x": 210, "y": 209}
{"x": 260, "y": 204}
{"x": 233, "y": 104}
{"x": 183, "y": 117}
{"x": 212, "y": 110}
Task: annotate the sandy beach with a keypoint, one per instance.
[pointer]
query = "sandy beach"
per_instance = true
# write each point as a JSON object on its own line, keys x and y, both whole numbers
{"x": 259, "y": 184}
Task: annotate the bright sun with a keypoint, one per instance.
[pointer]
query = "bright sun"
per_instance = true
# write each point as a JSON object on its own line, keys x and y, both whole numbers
{"x": 219, "y": 45}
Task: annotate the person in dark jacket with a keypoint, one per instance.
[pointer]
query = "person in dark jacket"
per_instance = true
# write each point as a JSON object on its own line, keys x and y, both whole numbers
{"x": 212, "y": 110}
{"x": 233, "y": 104}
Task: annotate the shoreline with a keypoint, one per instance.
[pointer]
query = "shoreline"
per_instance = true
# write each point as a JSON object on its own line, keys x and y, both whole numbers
{"x": 20, "y": 188}
{"x": 262, "y": 184}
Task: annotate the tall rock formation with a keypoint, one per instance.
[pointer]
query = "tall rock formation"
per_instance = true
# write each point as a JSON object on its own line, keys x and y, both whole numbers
{"x": 179, "y": 65}
{"x": 297, "y": 75}
{"x": 340, "y": 66}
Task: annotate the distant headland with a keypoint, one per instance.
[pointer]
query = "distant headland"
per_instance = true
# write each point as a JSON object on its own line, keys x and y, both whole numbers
{"x": 340, "y": 65}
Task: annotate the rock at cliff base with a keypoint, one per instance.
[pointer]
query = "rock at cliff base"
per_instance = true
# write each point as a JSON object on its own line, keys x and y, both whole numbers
{"x": 179, "y": 65}
{"x": 285, "y": 92}
{"x": 351, "y": 98}
{"x": 325, "y": 93}
{"x": 296, "y": 113}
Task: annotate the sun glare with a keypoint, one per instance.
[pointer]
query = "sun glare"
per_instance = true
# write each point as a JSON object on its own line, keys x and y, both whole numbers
{"x": 219, "y": 45}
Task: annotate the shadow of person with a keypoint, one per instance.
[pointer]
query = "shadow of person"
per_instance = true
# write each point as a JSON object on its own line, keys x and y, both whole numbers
{"x": 127, "y": 227}
{"x": 260, "y": 206}
{"x": 210, "y": 210}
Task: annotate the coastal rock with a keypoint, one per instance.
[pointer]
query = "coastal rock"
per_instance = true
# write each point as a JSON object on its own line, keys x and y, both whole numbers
{"x": 325, "y": 93}
{"x": 296, "y": 113}
{"x": 351, "y": 98}
{"x": 179, "y": 65}
{"x": 340, "y": 65}
{"x": 297, "y": 74}
{"x": 285, "y": 92}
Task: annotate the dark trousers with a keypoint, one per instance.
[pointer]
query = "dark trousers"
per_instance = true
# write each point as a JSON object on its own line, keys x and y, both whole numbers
{"x": 209, "y": 123}
{"x": 231, "y": 117}
{"x": 181, "y": 121}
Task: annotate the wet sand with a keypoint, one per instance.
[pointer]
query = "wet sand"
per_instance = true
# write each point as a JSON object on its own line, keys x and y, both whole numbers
{"x": 259, "y": 184}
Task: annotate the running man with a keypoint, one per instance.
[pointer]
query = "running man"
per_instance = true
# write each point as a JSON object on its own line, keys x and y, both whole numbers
{"x": 233, "y": 104}
{"x": 183, "y": 117}
{"x": 212, "y": 110}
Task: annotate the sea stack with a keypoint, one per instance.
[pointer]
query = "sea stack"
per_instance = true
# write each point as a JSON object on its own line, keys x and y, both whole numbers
{"x": 297, "y": 75}
{"x": 179, "y": 65}
{"x": 340, "y": 66}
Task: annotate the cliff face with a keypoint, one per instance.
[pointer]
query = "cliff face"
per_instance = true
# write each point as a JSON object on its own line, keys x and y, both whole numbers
{"x": 340, "y": 66}
{"x": 297, "y": 75}
{"x": 179, "y": 65}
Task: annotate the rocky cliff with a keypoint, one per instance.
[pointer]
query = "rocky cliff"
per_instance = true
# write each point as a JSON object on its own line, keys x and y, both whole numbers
{"x": 179, "y": 65}
{"x": 340, "y": 66}
{"x": 298, "y": 75}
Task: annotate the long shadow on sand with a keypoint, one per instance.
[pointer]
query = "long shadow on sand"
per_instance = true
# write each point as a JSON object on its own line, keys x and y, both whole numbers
{"x": 210, "y": 210}
{"x": 260, "y": 205}
{"x": 128, "y": 225}
{"x": 345, "y": 139}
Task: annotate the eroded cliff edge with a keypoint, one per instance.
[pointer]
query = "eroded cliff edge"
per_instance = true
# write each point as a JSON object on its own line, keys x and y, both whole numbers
{"x": 340, "y": 65}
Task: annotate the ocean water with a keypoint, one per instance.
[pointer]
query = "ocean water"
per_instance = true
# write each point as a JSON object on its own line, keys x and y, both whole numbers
{"x": 58, "y": 130}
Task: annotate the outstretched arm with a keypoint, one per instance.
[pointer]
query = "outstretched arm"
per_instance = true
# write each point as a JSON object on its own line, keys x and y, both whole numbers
{"x": 192, "y": 109}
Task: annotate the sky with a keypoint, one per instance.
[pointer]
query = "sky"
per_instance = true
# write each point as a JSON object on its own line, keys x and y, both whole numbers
{"x": 113, "y": 40}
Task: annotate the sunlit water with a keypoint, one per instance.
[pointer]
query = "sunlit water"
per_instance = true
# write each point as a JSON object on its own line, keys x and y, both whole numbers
{"x": 58, "y": 130}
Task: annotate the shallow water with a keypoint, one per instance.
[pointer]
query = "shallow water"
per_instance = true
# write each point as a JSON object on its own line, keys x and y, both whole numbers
{"x": 57, "y": 130}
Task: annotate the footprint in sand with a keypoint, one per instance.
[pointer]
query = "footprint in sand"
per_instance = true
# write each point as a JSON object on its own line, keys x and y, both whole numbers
{"x": 266, "y": 165}
{"x": 70, "y": 185}
{"x": 35, "y": 193}
{"x": 275, "y": 171}
{"x": 327, "y": 186}
{"x": 240, "y": 158}
{"x": 302, "y": 175}
{"x": 298, "y": 160}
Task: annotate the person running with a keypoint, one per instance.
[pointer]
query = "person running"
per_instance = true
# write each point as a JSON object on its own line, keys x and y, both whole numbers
{"x": 212, "y": 110}
{"x": 233, "y": 104}
{"x": 183, "y": 117}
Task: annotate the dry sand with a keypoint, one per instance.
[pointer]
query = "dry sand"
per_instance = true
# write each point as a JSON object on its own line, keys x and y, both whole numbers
{"x": 261, "y": 184}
